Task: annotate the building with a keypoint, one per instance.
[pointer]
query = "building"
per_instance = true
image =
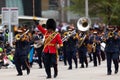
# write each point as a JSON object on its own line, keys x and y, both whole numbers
{"x": 42, "y": 8}
{"x": 25, "y": 7}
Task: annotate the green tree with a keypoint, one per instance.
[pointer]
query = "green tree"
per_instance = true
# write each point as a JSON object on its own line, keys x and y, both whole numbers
{"x": 108, "y": 10}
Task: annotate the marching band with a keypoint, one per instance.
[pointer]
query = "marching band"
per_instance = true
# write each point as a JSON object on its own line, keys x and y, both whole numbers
{"x": 85, "y": 45}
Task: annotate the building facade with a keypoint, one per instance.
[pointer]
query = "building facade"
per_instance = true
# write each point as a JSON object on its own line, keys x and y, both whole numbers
{"x": 42, "y": 8}
{"x": 25, "y": 7}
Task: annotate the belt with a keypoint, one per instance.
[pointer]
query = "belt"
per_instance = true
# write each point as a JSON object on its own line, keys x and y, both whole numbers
{"x": 51, "y": 44}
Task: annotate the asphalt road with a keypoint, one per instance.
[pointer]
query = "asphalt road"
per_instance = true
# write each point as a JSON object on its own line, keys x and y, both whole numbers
{"x": 90, "y": 73}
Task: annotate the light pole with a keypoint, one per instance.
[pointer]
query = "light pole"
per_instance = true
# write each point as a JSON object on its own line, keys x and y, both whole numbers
{"x": 86, "y": 8}
{"x": 33, "y": 1}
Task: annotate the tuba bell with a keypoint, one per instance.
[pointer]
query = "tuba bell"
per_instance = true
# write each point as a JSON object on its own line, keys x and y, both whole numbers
{"x": 83, "y": 24}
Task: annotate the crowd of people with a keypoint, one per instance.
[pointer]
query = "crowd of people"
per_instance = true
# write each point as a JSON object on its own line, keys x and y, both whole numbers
{"x": 47, "y": 42}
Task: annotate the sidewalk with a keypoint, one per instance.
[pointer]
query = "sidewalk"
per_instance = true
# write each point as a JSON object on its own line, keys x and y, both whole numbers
{"x": 90, "y": 73}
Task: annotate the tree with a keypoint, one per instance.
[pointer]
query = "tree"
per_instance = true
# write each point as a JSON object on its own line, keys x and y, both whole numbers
{"x": 108, "y": 10}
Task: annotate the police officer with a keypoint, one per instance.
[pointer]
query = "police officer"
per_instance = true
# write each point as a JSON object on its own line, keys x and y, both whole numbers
{"x": 112, "y": 50}
{"x": 21, "y": 54}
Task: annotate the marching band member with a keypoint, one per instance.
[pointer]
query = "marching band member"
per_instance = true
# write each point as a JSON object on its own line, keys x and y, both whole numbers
{"x": 112, "y": 50}
{"x": 96, "y": 48}
{"x": 64, "y": 48}
{"x": 82, "y": 51}
{"x": 52, "y": 39}
{"x": 71, "y": 49}
{"x": 21, "y": 53}
{"x": 119, "y": 44}
{"x": 89, "y": 48}
{"x": 38, "y": 45}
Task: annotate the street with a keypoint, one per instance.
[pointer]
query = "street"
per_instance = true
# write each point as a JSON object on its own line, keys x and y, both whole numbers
{"x": 90, "y": 73}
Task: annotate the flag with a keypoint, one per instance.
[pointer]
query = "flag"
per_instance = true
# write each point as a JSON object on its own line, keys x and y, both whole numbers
{"x": 31, "y": 53}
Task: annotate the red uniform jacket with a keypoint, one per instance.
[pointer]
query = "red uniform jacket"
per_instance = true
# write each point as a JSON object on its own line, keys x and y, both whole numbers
{"x": 50, "y": 47}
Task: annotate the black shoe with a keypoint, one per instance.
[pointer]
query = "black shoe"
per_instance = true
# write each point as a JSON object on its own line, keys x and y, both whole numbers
{"x": 86, "y": 65}
{"x": 55, "y": 75}
{"x": 99, "y": 63}
{"x": 28, "y": 71}
{"x": 76, "y": 66}
{"x": 90, "y": 61}
{"x": 65, "y": 64}
{"x": 69, "y": 68}
{"x": 116, "y": 71}
{"x": 109, "y": 73}
{"x": 95, "y": 65}
{"x": 48, "y": 77}
{"x": 19, "y": 74}
{"x": 82, "y": 66}
{"x": 40, "y": 67}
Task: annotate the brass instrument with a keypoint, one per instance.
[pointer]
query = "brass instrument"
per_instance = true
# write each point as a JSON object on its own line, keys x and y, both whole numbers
{"x": 89, "y": 47}
{"x": 94, "y": 44}
{"x": 111, "y": 34}
{"x": 68, "y": 34}
{"x": 83, "y": 25}
{"x": 17, "y": 37}
{"x": 38, "y": 43}
{"x": 22, "y": 36}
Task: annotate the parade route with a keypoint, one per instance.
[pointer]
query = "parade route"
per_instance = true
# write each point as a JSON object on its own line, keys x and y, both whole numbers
{"x": 90, "y": 73}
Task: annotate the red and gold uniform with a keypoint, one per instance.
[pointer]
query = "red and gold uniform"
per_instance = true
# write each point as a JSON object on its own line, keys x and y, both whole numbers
{"x": 52, "y": 40}
{"x": 51, "y": 46}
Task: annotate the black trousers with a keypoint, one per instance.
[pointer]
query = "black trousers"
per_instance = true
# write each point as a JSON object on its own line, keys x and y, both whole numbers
{"x": 72, "y": 55}
{"x": 39, "y": 54}
{"x": 1, "y": 64}
{"x": 50, "y": 60}
{"x": 96, "y": 58}
{"x": 83, "y": 59}
{"x": 112, "y": 57}
{"x": 21, "y": 61}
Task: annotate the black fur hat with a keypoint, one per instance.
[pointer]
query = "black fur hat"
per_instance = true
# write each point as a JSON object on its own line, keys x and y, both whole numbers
{"x": 51, "y": 24}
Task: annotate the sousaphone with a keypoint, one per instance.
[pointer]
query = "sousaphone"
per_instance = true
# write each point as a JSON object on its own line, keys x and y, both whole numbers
{"x": 83, "y": 24}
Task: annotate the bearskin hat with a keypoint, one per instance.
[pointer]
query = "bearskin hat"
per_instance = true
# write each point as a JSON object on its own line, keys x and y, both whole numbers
{"x": 51, "y": 24}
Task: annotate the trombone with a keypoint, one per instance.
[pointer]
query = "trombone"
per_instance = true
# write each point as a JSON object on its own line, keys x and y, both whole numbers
{"x": 69, "y": 34}
{"x": 18, "y": 36}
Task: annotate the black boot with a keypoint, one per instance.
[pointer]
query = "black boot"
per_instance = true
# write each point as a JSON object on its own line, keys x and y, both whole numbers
{"x": 55, "y": 71}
